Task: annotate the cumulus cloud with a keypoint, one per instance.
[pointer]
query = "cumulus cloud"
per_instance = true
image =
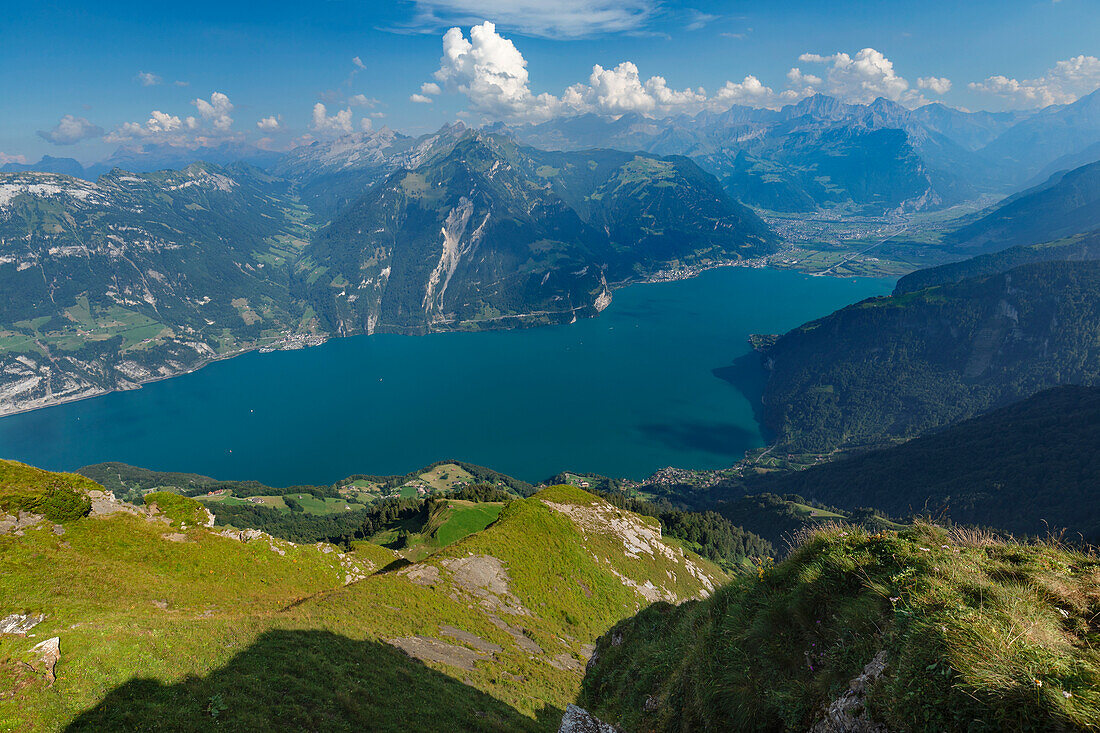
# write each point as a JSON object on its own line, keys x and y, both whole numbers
{"x": 420, "y": 99}
{"x": 148, "y": 79}
{"x": 70, "y": 130}
{"x": 5, "y": 158}
{"x": 324, "y": 124}
{"x": 863, "y": 78}
{"x": 548, "y": 19}
{"x": 216, "y": 111}
{"x": 358, "y": 62}
{"x": 491, "y": 72}
{"x": 1065, "y": 83}
{"x": 270, "y": 124}
{"x": 212, "y": 125}
{"x": 362, "y": 100}
{"x": 935, "y": 84}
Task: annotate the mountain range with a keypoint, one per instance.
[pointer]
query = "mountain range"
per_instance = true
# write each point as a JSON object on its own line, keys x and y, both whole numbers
{"x": 134, "y": 277}
{"x": 818, "y": 153}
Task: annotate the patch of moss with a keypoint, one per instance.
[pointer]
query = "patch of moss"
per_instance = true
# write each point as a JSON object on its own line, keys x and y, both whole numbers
{"x": 60, "y": 497}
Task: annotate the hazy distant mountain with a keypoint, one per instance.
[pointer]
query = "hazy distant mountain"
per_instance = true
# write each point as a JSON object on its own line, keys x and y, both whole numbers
{"x": 817, "y": 153}
{"x": 332, "y": 174}
{"x": 1067, "y": 203}
{"x": 1047, "y": 136}
{"x": 158, "y": 157}
{"x": 48, "y": 164}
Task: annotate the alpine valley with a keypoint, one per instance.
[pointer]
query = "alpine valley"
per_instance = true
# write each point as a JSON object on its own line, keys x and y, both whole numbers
{"x": 885, "y": 512}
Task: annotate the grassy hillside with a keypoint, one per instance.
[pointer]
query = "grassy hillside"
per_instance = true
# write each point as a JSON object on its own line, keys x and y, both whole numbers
{"x": 185, "y": 628}
{"x": 1028, "y": 468}
{"x": 917, "y": 630}
{"x": 898, "y": 366}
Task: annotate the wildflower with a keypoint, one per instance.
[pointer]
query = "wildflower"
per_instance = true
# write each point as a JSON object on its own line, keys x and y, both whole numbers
{"x": 1038, "y": 683}
{"x": 923, "y": 549}
{"x": 1067, "y": 694}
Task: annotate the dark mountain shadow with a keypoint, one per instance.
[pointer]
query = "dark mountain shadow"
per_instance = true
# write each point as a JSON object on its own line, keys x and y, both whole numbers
{"x": 749, "y": 377}
{"x": 723, "y": 439}
{"x": 310, "y": 681}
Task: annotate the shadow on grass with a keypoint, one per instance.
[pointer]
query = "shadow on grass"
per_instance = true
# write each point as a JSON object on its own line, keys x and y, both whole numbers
{"x": 311, "y": 680}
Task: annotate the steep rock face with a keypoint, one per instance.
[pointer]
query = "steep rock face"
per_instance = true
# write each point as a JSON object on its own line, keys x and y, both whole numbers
{"x": 905, "y": 364}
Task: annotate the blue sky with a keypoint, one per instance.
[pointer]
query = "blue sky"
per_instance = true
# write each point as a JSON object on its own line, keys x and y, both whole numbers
{"x": 72, "y": 86}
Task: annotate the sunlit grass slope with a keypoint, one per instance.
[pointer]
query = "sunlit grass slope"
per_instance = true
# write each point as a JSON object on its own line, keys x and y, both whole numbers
{"x": 164, "y": 624}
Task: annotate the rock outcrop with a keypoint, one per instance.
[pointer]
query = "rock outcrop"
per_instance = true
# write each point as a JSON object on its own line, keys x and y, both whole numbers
{"x": 579, "y": 720}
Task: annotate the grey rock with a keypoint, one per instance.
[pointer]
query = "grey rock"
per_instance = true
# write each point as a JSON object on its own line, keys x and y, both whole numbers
{"x": 579, "y": 720}
{"x": 20, "y": 623}
{"x": 846, "y": 714}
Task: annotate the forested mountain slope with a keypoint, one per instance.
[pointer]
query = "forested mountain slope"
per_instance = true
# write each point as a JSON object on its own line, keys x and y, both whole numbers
{"x": 1030, "y": 468}
{"x": 898, "y": 366}
{"x": 1079, "y": 247}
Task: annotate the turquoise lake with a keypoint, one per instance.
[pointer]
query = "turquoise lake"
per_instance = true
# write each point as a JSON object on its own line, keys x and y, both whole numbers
{"x": 623, "y": 394}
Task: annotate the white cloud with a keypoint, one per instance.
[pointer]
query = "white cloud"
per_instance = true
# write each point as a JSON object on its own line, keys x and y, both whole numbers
{"x": 270, "y": 124}
{"x": 148, "y": 79}
{"x": 337, "y": 124}
{"x": 699, "y": 20}
{"x": 358, "y": 62}
{"x": 1065, "y": 83}
{"x": 751, "y": 92}
{"x": 5, "y": 158}
{"x": 935, "y": 84}
{"x": 70, "y": 130}
{"x": 492, "y": 73}
{"x": 182, "y": 83}
{"x": 216, "y": 111}
{"x": 546, "y": 18}
{"x": 365, "y": 125}
{"x": 362, "y": 100}
{"x": 863, "y": 78}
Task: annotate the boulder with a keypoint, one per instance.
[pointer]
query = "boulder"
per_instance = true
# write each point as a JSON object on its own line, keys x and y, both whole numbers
{"x": 579, "y": 720}
{"x": 46, "y": 654}
{"x": 20, "y": 623}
